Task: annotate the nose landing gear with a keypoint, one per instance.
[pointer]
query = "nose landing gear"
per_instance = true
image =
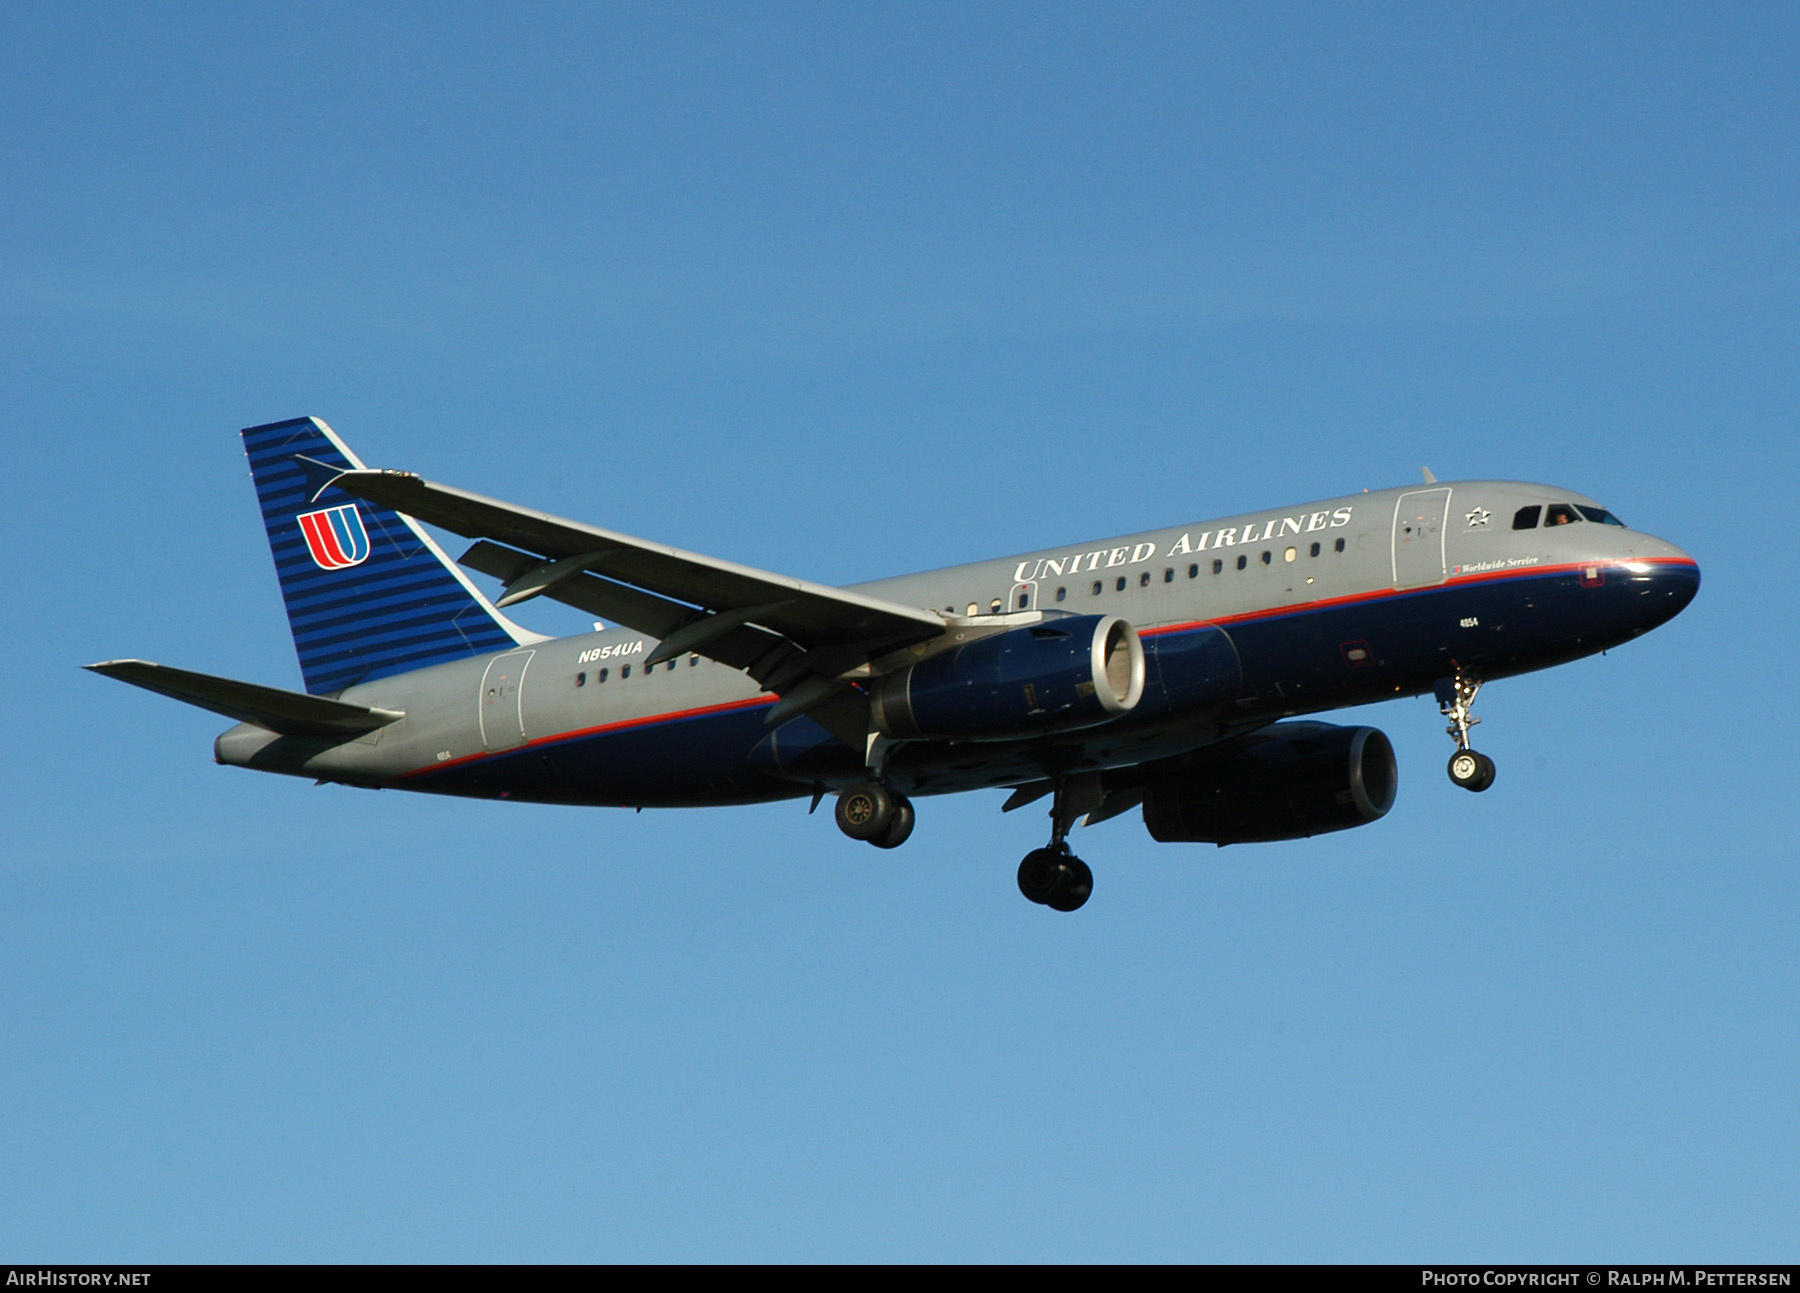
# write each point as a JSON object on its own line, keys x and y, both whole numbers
{"x": 1471, "y": 770}
{"x": 1456, "y": 698}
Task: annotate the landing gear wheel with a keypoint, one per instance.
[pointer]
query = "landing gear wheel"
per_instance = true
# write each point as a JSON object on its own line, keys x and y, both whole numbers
{"x": 1471, "y": 771}
{"x": 1039, "y": 874}
{"x": 1077, "y": 886}
{"x": 900, "y": 828}
{"x": 1055, "y": 879}
{"x": 865, "y": 811}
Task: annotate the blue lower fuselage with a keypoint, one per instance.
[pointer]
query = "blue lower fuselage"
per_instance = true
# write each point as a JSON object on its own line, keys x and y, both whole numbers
{"x": 1204, "y": 679}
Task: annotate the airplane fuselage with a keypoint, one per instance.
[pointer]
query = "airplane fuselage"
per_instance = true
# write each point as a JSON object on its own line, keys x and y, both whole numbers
{"x": 1244, "y": 620}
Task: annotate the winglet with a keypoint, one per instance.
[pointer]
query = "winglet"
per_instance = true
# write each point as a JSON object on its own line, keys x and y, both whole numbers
{"x": 320, "y": 476}
{"x": 1429, "y": 478}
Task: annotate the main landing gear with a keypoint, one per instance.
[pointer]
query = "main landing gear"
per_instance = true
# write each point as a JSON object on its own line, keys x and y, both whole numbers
{"x": 870, "y": 811}
{"x": 1054, "y": 876}
{"x": 1456, "y": 698}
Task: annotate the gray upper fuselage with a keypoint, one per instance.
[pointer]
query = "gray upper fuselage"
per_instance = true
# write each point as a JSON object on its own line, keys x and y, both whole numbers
{"x": 1265, "y": 579}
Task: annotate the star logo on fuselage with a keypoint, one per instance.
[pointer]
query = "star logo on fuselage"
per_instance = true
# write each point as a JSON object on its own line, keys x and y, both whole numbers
{"x": 1478, "y": 519}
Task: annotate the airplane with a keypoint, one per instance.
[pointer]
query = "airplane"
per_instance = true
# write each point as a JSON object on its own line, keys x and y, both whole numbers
{"x": 1170, "y": 671}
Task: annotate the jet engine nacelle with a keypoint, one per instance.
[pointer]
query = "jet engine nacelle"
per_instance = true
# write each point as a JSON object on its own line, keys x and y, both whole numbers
{"x": 1065, "y": 673}
{"x": 1286, "y": 782}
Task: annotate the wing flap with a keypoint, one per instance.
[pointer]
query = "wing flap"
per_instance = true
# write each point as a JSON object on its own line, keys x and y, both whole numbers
{"x": 662, "y": 618}
{"x": 290, "y": 713}
{"x": 632, "y": 607}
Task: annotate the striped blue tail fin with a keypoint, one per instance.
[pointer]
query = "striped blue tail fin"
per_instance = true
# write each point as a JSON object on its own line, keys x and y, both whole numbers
{"x": 368, "y": 592}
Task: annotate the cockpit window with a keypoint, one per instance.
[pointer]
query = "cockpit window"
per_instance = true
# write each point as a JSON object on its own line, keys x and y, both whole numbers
{"x": 1560, "y": 514}
{"x": 1600, "y": 516}
{"x": 1526, "y": 518}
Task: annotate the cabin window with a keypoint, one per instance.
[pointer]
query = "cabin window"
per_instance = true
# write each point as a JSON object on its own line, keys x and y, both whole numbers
{"x": 1339, "y": 545}
{"x": 1560, "y": 514}
{"x": 1061, "y": 593}
{"x": 1024, "y": 600}
{"x": 1289, "y": 555}
{"x": 1194, "y": 571}
{"x": 693, "y": 660}
{"x": 1144, "y": 580}
{"x": 1169, "y": 575}
{"x": 1096, "y": 588}
{"x": 1217, "y": 565}
{"x": 601, "y": 676}
{"x": 1120, "y": 584}
{"x": 974, "y": 609}
{"x": 1526, "y": 518}
{"x": 994, "y": 607}
{"x": 581, "y": 680}
{"x": 1266, "y": 558}
{"x": 1315, "y": 549}
{"x": 1599, "y": 515}
{"x": 1242, "y": 562}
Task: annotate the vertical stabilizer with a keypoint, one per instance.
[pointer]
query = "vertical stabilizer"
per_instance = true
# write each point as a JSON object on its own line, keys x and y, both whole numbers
{"x": 368, "y": 592}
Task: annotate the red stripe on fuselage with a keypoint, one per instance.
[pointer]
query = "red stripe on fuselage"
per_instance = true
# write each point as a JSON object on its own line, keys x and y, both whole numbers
{"x": 1382, "y": 594}
{"x": 1294, "y": 608}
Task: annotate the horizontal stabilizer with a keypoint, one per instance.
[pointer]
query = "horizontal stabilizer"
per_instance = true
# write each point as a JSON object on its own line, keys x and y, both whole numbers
{"x": 291, "y": 713}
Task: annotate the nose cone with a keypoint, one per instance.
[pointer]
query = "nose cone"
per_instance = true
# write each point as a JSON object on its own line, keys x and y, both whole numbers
{"x": 1664, "y": 577}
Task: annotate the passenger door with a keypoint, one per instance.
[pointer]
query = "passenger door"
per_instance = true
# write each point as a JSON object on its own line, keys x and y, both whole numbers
{"x": 503, "y": 701}
{"x": 1419, "y": 518}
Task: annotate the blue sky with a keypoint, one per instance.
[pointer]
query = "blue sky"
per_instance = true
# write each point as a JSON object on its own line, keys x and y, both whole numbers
{"x": 845, "y": 291}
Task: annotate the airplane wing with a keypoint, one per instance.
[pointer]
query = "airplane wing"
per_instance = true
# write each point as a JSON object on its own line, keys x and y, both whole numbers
{"x": 794, "y": 637}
